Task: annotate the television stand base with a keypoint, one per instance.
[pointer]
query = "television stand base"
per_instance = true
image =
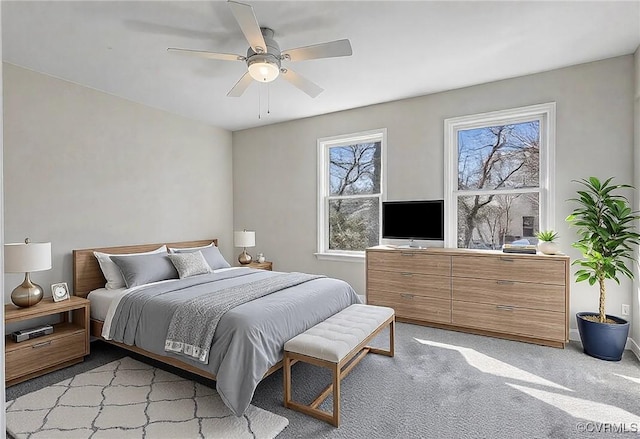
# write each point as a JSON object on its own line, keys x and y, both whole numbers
{"x": 412, "y": 244}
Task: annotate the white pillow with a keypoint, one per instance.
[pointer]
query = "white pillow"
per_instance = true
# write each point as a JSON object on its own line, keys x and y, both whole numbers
{"x": 187, "y": 249}
{"x": 112, "y": 273}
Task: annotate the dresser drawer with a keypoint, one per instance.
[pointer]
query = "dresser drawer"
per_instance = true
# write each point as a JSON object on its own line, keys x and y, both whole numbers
{"x": 409, "y": 261}
{"x": 412, "y": 306}
{"x": 407, "y": 282}
{"x": 506, "y": 267}
{"x": 509, "y": 320}
{"x": 505, "y": 292}
{"x": 36, "y": 355}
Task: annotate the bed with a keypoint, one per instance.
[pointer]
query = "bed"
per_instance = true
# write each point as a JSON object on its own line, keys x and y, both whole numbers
{"x": 249, "y": 338}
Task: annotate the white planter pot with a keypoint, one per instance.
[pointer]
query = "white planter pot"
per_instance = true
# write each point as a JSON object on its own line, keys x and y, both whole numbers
{"x": 548, "y": 247}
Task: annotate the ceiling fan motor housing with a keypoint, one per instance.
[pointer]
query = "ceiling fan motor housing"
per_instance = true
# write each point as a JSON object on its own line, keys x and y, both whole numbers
{"x": 265, "y": 67}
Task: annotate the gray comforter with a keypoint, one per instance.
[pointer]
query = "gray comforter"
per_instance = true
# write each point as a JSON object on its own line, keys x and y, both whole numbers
{"x": 249, "y": 338}
{"x": 194, "y": 323}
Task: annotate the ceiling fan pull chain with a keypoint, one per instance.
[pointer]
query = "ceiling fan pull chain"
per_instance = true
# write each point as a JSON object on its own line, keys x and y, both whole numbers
{"x": 268, "y": 99}
{"x": 259, "y": 105}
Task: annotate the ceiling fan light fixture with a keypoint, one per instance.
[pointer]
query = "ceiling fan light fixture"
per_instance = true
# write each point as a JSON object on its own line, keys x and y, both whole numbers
{"x": 263, "y": 69}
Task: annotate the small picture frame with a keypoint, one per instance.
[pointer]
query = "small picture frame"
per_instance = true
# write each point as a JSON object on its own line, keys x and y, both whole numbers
{"x": 60, "y": 291}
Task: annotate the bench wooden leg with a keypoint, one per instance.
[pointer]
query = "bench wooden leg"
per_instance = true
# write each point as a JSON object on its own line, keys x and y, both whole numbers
{"x": 392, "y": 337}
{"x": 286, "y": 367}
{"x": 336, "y": 395}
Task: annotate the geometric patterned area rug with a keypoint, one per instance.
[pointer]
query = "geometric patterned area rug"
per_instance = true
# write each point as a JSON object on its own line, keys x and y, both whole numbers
{"x": 130, "y": 399}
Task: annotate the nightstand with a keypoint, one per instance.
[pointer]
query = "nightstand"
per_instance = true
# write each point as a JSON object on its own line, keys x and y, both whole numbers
{"x": 68, "y": 344}
{"x": 266, "y": 265}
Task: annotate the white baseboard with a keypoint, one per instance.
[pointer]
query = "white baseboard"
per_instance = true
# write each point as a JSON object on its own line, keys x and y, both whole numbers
{"x": 631, "y": 345}
{"x": 574, "y": 335}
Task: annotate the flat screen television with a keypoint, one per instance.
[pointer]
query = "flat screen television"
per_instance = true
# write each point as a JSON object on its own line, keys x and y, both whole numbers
{"x": 413, "y": 220}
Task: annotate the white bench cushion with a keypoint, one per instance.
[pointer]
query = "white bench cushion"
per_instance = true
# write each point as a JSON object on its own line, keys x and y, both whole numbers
{"x": 334, "y": 338}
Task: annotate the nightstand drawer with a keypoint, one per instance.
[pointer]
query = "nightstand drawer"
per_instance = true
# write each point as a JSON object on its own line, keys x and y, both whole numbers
{"x": 36, "y": 354}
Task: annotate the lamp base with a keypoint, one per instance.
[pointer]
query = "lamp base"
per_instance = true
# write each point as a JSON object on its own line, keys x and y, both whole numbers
{"x": 244, "y": 258}
{"x": 27, "y": 294}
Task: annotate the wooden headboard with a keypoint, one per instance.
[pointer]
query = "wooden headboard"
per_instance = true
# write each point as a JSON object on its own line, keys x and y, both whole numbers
{"x": 87, "y": 275}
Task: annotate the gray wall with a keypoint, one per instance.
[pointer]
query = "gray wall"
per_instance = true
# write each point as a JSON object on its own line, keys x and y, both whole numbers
{"x": 85, "y": 169}
{"x": 274, "y": 167}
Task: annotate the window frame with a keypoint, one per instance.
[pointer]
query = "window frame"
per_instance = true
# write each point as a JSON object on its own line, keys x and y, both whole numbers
{"x": 324, "y": 144}
{"x": 546, "y": 115}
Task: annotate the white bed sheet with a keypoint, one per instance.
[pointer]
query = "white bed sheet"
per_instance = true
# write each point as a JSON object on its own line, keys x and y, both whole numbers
{"x": 102, "y": 298}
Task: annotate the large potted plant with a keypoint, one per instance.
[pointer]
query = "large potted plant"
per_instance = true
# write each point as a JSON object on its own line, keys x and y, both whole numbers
{"x": 606, "y": 228}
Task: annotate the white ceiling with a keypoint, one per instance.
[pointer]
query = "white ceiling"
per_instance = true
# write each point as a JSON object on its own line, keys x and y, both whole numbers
{"x": 400, "y": 49}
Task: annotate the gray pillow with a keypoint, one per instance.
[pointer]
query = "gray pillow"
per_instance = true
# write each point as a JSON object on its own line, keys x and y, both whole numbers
{"x": 211, "y": 254}
{"x": 190, "y": 264}
{"x": 144, "y": 269}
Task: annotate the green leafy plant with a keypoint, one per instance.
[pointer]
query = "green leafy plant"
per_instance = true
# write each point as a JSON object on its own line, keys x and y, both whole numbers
{"x": 547, "y": 235}
{"x": 605, "y": 226}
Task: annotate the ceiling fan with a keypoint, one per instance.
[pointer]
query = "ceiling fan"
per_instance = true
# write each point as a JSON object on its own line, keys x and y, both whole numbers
{"x": 264, "y": 58}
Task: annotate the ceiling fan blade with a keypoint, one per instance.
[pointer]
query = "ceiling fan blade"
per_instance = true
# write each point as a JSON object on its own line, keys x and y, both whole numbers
{"x": 301, "y": 82}
{"x": 210, "y": 55}
{"x": 248, "y": 23}
{"x": 323, "y": 50}
{"x": 241, "y": 86}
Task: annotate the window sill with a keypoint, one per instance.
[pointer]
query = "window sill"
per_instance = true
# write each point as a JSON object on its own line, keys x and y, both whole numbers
{"x": 341, "y": 257}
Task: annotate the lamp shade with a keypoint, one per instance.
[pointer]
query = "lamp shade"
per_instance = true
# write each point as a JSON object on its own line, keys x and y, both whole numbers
{"x": 245, "y": 238}
{"x": 25, "y": 258}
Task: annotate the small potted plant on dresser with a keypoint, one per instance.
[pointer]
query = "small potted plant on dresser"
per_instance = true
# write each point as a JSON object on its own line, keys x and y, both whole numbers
{"x": 547, "y": 242}
{"x": 605, "y": 226}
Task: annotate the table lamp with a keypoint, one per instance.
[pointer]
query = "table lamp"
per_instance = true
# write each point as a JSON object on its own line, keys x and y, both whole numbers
{"x": 25, "y": 258}
{"x": 244, "y": 239}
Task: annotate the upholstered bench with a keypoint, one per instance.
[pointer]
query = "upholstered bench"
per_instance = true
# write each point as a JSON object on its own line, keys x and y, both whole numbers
{"x": 333, "y": 344}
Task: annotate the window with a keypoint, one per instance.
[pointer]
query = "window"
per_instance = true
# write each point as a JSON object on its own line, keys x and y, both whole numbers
{"x": 499, "y": 176}
{"x": 528, "y": 225}
{"x": 350, "y": 192}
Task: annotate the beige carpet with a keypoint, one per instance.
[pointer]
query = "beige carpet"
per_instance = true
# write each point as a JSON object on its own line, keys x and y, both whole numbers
{"x": 130, "y": 399}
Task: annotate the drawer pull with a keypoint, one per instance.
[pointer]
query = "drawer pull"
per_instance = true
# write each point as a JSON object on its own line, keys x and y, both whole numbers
{"x": 505, "y": 282}
{"x": 42, "y": 344}
{"x": 407, "y": 274}
{"x": 407, "y": 296}
{"x": 505, "y": 307}
{"x": 503, "y": 259}
{"x": 406, "y": 253}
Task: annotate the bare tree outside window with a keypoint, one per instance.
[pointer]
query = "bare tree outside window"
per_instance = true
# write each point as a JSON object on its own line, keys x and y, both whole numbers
{"x": 499, "y": 176}
{"x": 354, "y": 215}
{"x": 350, "y": 192}
{"x": 498, "y": 183}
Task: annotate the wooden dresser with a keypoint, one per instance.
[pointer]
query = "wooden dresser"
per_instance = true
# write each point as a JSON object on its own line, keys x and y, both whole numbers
{"x": 513, "y": 296}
